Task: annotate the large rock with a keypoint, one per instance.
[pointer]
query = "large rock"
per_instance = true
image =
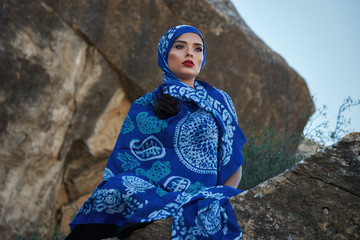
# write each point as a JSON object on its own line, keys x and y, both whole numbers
{"x": 318, "y": 199}
{"x": 264, "y": 88}
{"x": 61, "y": 108}
{"x": 70, "y": 69}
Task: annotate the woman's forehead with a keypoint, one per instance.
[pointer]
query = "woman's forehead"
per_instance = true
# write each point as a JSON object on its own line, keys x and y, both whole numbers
{"x": 190, "y": 37}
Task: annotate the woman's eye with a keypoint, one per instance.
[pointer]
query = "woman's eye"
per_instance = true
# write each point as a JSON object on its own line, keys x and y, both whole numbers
{"x": 198, "y": 49}
{"x": 179, "y": 46}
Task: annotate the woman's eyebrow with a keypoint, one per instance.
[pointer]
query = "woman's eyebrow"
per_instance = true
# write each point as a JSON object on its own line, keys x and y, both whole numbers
{"x": 184, "y": 42}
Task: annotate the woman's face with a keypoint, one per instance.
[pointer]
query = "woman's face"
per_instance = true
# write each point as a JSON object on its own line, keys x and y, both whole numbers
{"x": 186, "y": 56}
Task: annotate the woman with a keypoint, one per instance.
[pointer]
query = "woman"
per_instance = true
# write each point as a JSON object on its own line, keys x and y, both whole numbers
{"x": 178, "y": 155}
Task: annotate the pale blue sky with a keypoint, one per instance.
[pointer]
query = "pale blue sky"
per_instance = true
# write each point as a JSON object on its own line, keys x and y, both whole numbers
{"x": 320, "y": 39}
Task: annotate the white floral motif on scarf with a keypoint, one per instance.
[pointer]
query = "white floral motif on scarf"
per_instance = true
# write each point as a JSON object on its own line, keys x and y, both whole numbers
{"x": 199, "y": 96}
{"x": 135, "y": 184}
{"x": 196, "y": 142}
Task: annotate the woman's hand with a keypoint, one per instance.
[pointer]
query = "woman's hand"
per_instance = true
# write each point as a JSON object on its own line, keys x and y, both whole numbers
{"x": 234, "y": 179}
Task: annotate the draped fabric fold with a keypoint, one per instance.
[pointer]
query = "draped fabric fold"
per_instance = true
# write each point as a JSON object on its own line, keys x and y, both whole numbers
{"x": 174, "y": 167}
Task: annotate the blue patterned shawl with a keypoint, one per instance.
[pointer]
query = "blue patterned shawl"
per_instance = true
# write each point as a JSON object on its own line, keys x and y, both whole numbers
{"x": 176, "y": 166}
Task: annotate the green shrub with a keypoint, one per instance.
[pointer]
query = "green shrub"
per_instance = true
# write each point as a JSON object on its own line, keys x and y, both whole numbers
{"x": 269, "y": 152}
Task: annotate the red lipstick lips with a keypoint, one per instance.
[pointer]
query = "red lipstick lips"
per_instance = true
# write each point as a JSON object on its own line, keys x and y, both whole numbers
{"x": 188, "y": 63}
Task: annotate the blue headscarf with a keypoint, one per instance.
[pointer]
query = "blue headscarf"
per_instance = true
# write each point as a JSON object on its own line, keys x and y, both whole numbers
{"x": 165, "y": 44}
{"x": 209, "y": 98}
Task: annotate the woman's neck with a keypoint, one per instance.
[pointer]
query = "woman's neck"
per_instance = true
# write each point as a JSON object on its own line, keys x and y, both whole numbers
{"x": 189, "y": 82}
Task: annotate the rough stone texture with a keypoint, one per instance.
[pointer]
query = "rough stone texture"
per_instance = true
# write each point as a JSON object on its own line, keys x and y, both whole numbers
{"x": 318, "y": 199}
{"x": 69, "y": 70}
{"x": 308, "y": 147}
{"x": 68, "y": 212}
{"x": 264, "y": 88}
{"x": 57, "y": 94}
{"x": 159, "y": 230}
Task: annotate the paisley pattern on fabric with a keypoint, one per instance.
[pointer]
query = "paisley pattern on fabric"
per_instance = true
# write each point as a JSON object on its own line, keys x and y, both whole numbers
{"x": 149, "y": 124}
{"x": 148, "y": 149}
{"x": 147, "y": 99}
{"x": 210, "y": 217}
{"x": 174, "y": 167}
{"x": 135, "y": 184}
{"x": 171, "y": 172}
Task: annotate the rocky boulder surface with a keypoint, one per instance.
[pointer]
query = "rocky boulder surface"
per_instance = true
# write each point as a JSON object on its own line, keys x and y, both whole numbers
{"x": 317, "y": 199}
{"x": 264, "y": 88}
{"x": 69, "y": 71}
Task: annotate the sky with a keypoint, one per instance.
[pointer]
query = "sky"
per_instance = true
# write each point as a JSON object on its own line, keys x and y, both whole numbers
{"x": 320, "y": 39}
